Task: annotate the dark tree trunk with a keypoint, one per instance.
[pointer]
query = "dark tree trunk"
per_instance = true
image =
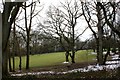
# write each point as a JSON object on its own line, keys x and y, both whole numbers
{"x": 10, "y": 68}
{"x": 100, "y": 34}
{"x": 5, "y": 35}
{"x": 73, "y": 44}
{"x": 67, "y": 56}
{"x": 20, "y": 59}
{"x": 93, "y": 50}
{"x": 106, "y": 55}
{"x": 20, "y": 66}
{"x": 28, "y": 34}
{"x": 28, "y": 51}
{"x": 14, "y": 47}
{"x": 27, "y": 41}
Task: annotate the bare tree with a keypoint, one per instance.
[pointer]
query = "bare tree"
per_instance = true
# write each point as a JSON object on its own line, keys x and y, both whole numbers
{"x": 90, "y": 9}
{"x": 63, "y": 22}
{"x": 55, "y": 27}
{"x": 28, "y": 25}
{"x": 110, "y": 18}
{"x": 28, "y": 29}
{"x": 73, "y": 13}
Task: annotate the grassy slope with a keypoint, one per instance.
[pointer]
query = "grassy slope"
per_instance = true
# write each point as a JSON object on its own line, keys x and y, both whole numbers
{"x": 42, "y": 60}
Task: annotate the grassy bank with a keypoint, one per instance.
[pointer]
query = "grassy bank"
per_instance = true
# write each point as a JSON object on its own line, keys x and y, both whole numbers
{"x": 41, "y": 60}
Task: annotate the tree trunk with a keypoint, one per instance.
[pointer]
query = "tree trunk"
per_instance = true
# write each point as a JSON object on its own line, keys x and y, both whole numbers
{"x": 106, "y": 55}
{"x": 20, "y": 59}
{"x": 28, "y": 51}
{"x": 10, "y": 68}
{"x": 28, "y": 35}
{"x": 5, "y": 35}
{"x": 94, "y": 50}
{"x": 100, "y": 35}
{"x": 97, "y": 49}
{"x": 6, "y": 28}
{"x": 100, "y": 54}
{"x": 20, "y": 66}
{"x": 67, "y": 56}
{"x": 73, "y": 45}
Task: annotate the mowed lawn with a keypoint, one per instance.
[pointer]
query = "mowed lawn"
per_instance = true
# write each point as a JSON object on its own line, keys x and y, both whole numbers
{"x": 49, "y": 59}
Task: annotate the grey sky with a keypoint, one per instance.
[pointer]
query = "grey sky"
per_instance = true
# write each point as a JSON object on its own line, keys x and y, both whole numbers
{"x": 80, "y": 26}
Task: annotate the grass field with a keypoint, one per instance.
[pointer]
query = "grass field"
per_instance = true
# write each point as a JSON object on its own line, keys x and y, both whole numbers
{"x": 57, "y": 58}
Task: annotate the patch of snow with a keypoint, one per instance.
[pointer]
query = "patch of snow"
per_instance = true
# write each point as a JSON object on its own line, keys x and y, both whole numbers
{"x": 34, "y": 73}
{"x": 112, "y": 62}
{"x": 117, "y": 51}
{"x": 111, "y": 53}
{"x": 111, "y": 66}
{"x": 93, "y": 53}
{"x": 104, "y": 52}
{"x": 116, "y": 56}
{"x": 65, "y": 62}
{"x": 85, "y": 69}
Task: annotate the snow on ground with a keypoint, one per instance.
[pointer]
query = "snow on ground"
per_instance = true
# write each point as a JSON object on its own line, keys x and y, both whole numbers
{"x": 104, "y": 52}
{"x": 110, "y": 65}
{"x": 115, "y": 57}
{"x": 66, "y": 62}
{"x": 93, "y": 53}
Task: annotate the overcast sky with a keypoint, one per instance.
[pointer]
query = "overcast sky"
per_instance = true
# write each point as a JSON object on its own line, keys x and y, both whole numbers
{"x": 80, "y": 26}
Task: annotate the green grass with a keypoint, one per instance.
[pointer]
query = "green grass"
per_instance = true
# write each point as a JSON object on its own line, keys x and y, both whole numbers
{"x": 57, "y": 58}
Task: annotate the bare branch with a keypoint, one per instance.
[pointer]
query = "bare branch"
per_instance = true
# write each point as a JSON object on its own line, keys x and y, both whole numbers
{"x": 81, "y": 33}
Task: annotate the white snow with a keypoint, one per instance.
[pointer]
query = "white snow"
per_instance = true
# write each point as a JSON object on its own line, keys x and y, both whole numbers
{"x": 115, "y": 56}
{"x": 104, "y": 52}
{"x": 65, "y": 62}
{"x": 111, "y": 53}
{"x": 112, "y": 62}
{"x": 93, "y": 53}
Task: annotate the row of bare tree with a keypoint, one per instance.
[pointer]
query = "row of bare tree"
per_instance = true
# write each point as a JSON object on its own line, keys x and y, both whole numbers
{"x": 61, "y": 23}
